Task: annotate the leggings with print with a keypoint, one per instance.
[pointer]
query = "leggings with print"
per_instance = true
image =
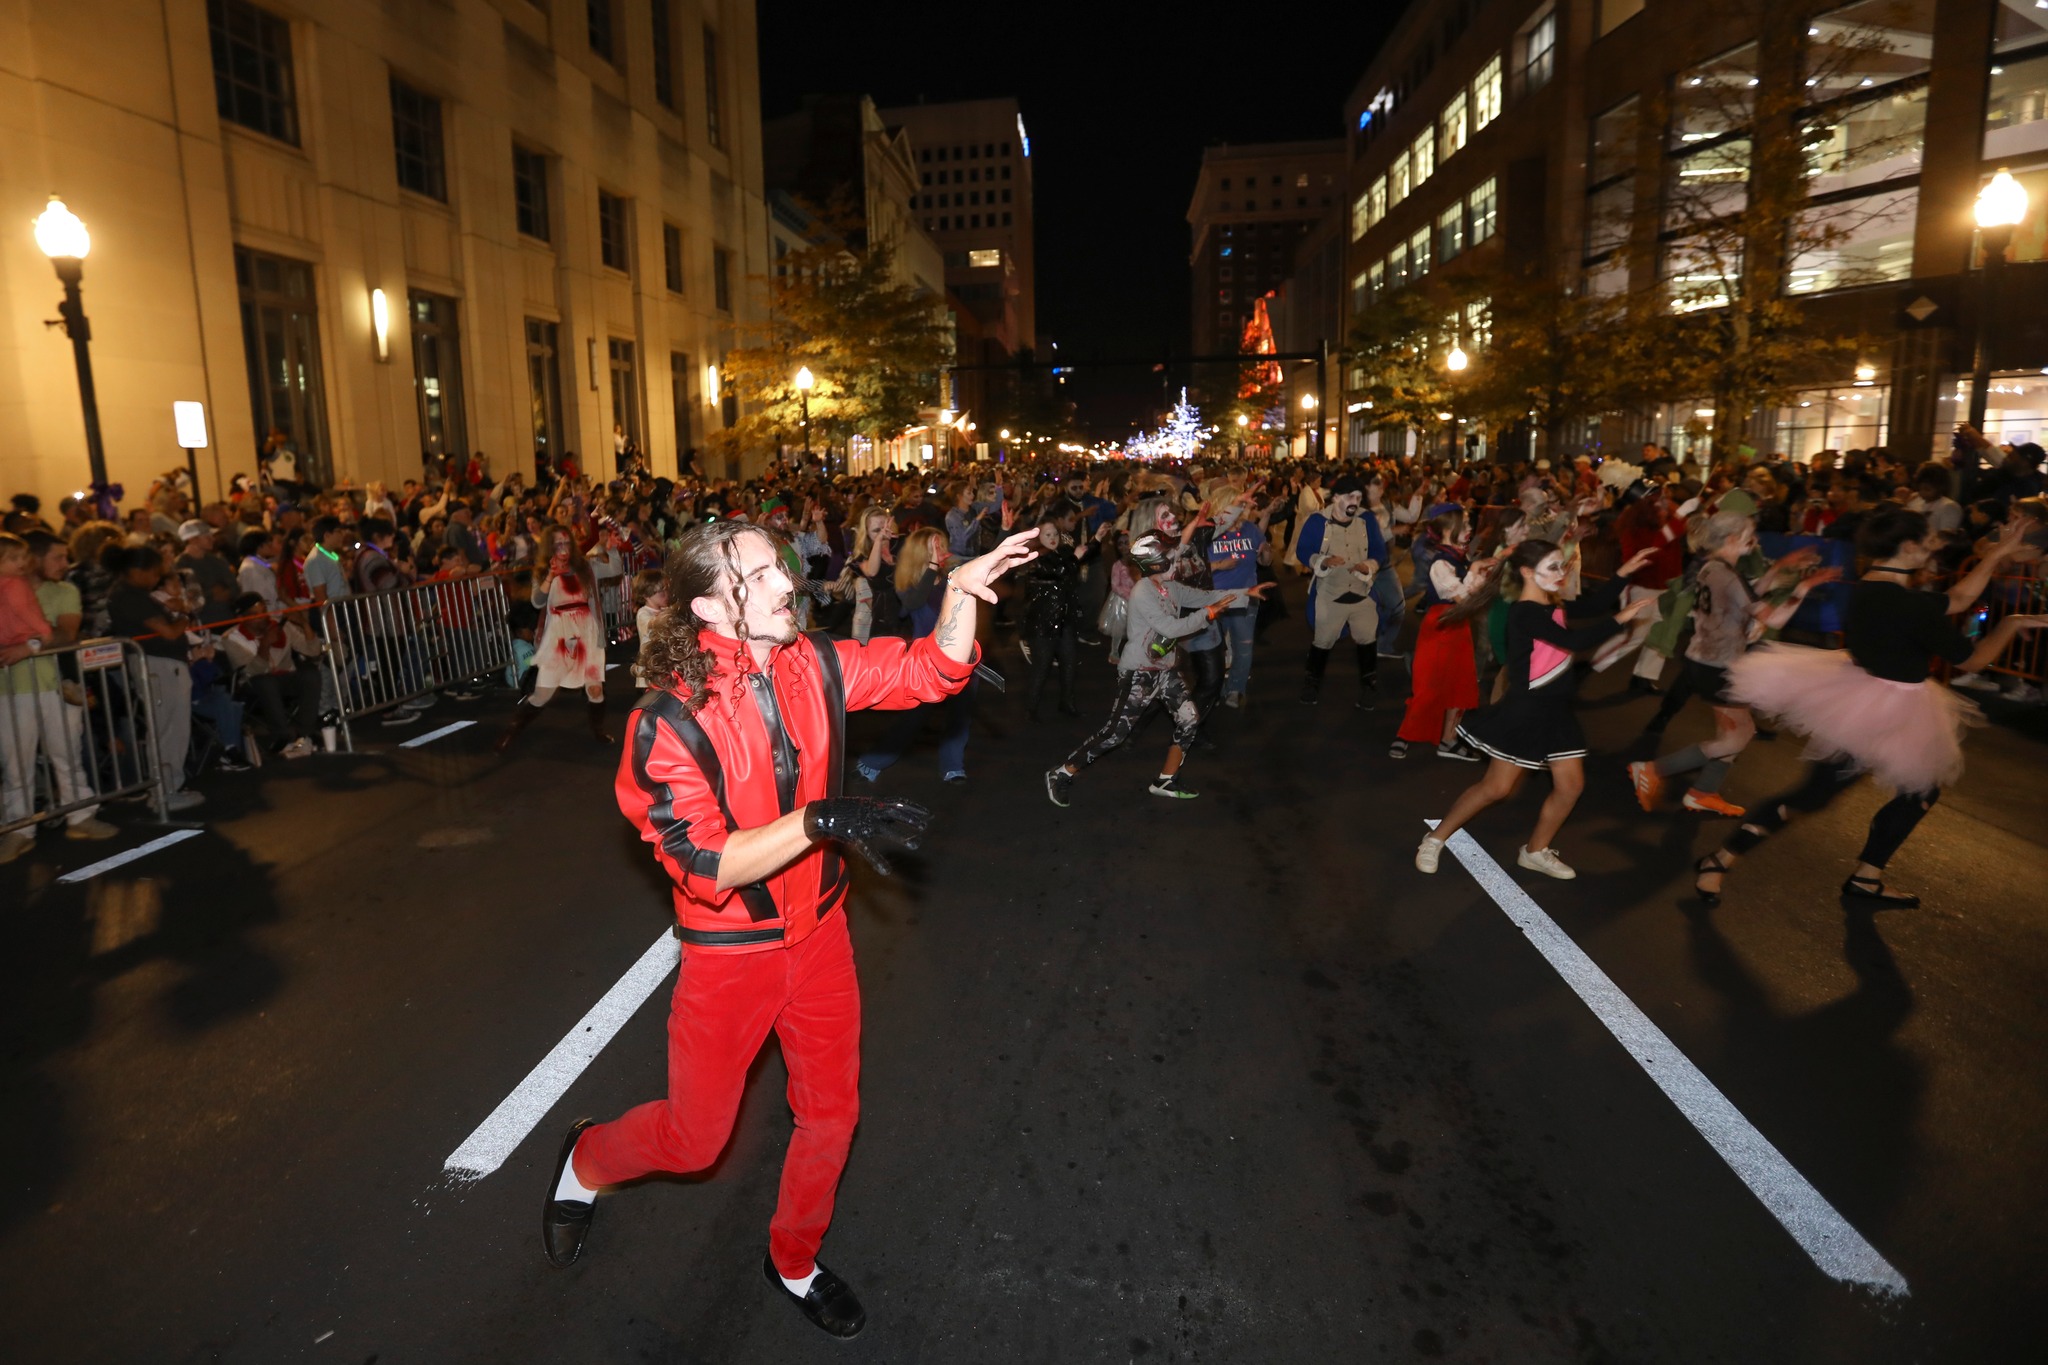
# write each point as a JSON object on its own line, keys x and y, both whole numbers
{"x": 1136, "y": 692}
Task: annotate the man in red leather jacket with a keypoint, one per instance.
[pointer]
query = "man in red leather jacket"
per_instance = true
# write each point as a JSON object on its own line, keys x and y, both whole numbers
{"x": 732, "y": 773}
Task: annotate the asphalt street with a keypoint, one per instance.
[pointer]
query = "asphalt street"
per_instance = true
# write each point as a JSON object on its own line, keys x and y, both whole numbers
{"x": 1222, "y": 1080}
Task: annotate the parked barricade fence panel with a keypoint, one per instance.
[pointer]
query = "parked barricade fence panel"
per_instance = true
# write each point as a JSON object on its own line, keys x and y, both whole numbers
{"x": 76, "y": 730}
{"x": 615, "y": 603}
{"x": 387, "y": 648}
{"x": 2017, "y": 595}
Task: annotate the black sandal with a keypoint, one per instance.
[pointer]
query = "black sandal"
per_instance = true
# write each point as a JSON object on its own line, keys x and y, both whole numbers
{"x": 1869, "y": 893}
{"x": 1706, "y": 867}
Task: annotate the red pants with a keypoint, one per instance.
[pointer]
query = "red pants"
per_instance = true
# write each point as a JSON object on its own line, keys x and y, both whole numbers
{"x": 724, "y": 1005}
{"x": 1445, "y": 675}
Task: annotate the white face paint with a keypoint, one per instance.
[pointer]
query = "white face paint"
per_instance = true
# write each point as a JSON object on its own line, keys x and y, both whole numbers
{"x": 1549, "y": 574}
{"x": 1344, "y": 508}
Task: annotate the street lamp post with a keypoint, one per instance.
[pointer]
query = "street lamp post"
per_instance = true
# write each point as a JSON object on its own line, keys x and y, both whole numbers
{"x": 804, "y": 380}
{"x": 2001, "y": 207}
{"x": 65, "y": 241}
{"x": 1242, "y": 422}
{"x": 1308, "y": 417}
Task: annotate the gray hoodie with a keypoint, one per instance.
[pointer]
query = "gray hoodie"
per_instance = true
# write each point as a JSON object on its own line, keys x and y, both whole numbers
{"x": 1156, "y": 617}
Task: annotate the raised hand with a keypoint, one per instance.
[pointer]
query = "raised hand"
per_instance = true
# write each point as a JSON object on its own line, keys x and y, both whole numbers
{"x": 975, "y": 576}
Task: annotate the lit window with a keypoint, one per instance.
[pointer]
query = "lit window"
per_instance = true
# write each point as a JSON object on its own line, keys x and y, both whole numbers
{"x": 1376, "y": 202}
{"x": 1397, "y": 180}
{"x": 978, "y": 259}
{"x": 1451, "y": 128}
{"x": 1361, "y": 216}
{"x": 1486, "y": 94}
{"x": 1397, "y": 266}
{"x": 1539, "y": 53}
{"x": 1450, "y": 232}
{"x": 1418, "y": 254}
{"x": 1422, "y": 156}
{"x": 1483, "y": 215}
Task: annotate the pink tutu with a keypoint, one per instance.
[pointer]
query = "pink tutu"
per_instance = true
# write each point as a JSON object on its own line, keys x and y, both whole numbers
{"x": 1907, "y": 735}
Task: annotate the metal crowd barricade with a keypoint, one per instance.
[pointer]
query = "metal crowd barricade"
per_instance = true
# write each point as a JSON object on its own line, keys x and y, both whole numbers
{"x": 390, "y": 647}
{"x": 75, "y": 731}
{"x": 2017, "y": 595}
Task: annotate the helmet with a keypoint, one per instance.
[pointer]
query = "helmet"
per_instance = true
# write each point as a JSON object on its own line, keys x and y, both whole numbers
{"x": 1150, "y": 553}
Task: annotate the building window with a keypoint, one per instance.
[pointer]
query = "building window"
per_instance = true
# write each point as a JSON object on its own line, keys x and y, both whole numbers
{"x": 437, "y": 374}
{"x": 664, "y": 54}
{"x": 281, "y": 343}
{"x": 1451, "y": 128}
{"x": 1422, "y": 157}
{"x": 1006, "y": 172}
{"x": 1006, "y": 196}
{"x": 1376, "y": 281}
{"x": 994, "y": 257}
{"x": 1361, "y": 292}
{"x": 416, "y": 138}
{"x": 1397, "y": 266}
{"x": 1482, "y": 214}
{"x": 2016, "y": 115}
{"x": 1006, "y": 218}
{"x": 1862, "y": 241}
{"x": 672, "y": 257}
{"x": 1223, "y": 272}
{"x": 544, "y": 385}
{"x": 1397, "y": 180}
{"x": 1226, "y": 182}
{"x": 1361, "y": 218}
{"x": 614, "y": 238}
{"x": 598, "y": 19}
{"x": 1539, "y": 53}
{"x": 530, "y": 192}
{"x": 1611, "y": 195}
{"x": 682, "y": 405}
{"x": 252, "y": 68}
{"x": 721, "y": 279}
{"x": 1418, "y": 254}
{"x": 1714, "y": 97}
{"x": 1376, "y": 202}
{"x": 1450, "y": 232}
{"x": 625, "y": 390}
{"x": 1486, "y": 94}
{"x": 714, "y": 126}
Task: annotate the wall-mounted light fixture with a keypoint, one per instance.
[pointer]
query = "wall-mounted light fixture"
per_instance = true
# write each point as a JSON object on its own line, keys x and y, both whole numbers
{"x": 711, "y": 385}
{"x": 380, "y": 323}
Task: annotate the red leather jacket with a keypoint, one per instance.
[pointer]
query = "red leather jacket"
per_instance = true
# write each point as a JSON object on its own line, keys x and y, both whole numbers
{"x": 687, "y": 781}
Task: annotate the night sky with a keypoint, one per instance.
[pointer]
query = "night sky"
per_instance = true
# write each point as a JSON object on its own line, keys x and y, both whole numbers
{"x": 1119, "y": 109}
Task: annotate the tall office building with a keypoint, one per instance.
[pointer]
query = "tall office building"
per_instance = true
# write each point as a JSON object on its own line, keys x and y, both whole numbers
{"x": 376, "y": 231}
{"x": 974, "y": 199}
{"x": 1252, "y": 206}
{"x": 1592, "y": 140}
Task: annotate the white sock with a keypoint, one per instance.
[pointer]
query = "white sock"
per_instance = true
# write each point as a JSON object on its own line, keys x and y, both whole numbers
{"x": 570, "y": 1188}
{"x": 798, "y": 1287}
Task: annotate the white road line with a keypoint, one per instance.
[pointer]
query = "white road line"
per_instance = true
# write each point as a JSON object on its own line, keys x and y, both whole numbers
{"x": 430, "y": 736}
{"x": 1837, "y": 1248}
{"x": 86, "y": 874}
{"x": 494, "y": 1139}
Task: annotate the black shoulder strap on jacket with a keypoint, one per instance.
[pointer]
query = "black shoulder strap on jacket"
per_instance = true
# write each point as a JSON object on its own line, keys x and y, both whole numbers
{"x": 755, "y": 896}
{"x": 827, "y": 652}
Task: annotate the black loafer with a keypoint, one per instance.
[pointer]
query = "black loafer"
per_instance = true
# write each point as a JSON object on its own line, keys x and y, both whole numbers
{"x": 829, "y": 1303}
{"x": 564, "y": 1223}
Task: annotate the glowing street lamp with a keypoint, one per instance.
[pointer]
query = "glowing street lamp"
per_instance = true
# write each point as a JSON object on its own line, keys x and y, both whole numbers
{"x": 1457, "y": 360}
{"x": 804, "y": 380}
{"x": 2001, "y": 207}
{"x": 62, "y": 236}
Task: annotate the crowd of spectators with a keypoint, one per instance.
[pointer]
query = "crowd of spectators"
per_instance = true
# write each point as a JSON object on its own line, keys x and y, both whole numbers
{"x": 218, "y": 594}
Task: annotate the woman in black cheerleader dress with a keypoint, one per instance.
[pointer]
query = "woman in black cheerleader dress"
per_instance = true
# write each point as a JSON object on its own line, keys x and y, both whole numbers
{"x": 1533, "y": 726}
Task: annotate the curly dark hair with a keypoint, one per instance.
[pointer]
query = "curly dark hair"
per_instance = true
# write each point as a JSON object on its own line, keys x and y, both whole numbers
{"x": 670, "y": 657}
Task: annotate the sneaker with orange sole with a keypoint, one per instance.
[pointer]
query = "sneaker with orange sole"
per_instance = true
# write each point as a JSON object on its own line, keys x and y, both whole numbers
{"x": 1712, "y": 803}
{"x": 1649, "y": 784}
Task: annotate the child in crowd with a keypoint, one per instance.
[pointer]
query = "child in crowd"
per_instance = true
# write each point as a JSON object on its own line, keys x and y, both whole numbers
{"x": 649, "y": 600}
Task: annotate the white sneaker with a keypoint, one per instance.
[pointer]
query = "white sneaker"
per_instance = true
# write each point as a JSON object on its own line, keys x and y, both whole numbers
{"x": 1427, "y": 852}
{"x": 1977, "y": 680}
{"x": 1546, "y": 861}
{"x": 183, "y": 801}
{"x": 298, "y": 748}
{"x": 2019, "y": 689}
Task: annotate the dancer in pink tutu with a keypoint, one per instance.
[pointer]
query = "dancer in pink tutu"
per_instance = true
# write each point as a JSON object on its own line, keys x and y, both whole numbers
{"x": 1873, "y": 707}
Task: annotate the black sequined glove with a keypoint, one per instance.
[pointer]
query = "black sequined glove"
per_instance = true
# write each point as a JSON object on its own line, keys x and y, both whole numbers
{"x": 864, "y": 822}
